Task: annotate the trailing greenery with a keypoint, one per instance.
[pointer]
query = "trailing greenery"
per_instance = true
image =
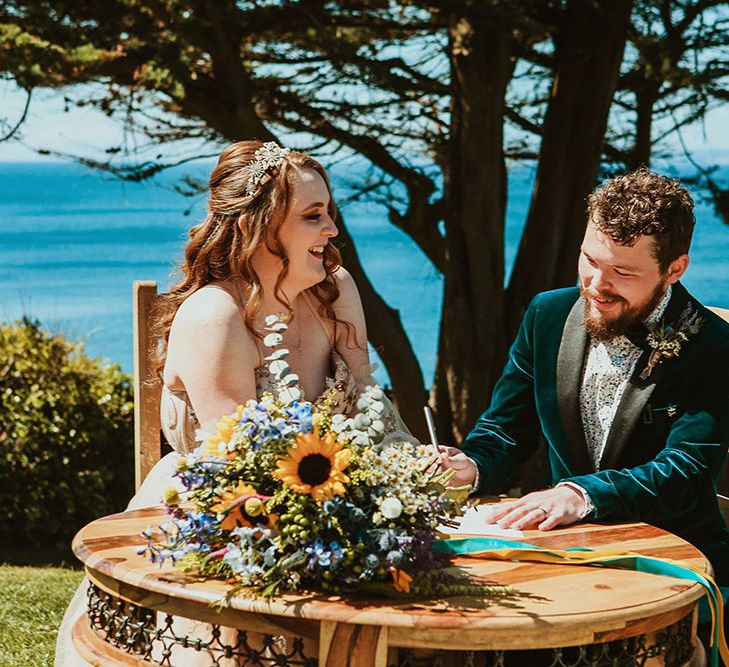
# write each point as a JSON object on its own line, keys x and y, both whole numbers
{"x": 32, "y": 605}
{"x": 66, "y": 436}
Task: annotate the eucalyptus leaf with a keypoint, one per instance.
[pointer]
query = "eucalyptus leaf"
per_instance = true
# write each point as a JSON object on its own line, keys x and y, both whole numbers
{"x": 289, "y": 394}
{"x": 277, "y": 354}
{"x": 272, "y": 339}
{"x": 278, "y": 367}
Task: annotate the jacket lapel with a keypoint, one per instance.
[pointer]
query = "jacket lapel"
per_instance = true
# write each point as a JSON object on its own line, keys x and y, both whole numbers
{"x": 570, "y": 360}
{"x": 637, "y": 391}
{"x": 630, "y": 408}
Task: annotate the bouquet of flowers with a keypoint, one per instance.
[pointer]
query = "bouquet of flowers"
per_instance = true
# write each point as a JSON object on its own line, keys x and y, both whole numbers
{"x": 286, "y": 494}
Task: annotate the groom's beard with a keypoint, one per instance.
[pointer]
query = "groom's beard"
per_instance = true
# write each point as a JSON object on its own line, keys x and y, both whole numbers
{"x": 601, "y": 328}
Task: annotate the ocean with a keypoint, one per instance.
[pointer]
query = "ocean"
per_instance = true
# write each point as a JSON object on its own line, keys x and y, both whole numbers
{"x": 72, "y": 240}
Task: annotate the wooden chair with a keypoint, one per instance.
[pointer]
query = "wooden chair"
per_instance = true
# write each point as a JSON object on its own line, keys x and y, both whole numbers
{"x": 722, "y": 484}
{"x": 147, "y": 439}
{"x": 723, "y": 507}
{"x": 721, "y": 312}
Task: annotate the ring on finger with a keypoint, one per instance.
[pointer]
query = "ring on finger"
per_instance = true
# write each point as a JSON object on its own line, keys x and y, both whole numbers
{"x": 541, "y": 509}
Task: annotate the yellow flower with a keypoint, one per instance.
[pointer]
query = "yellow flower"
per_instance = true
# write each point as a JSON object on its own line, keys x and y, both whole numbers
{"x": 316, "y": 420}
{"x": 230, "y": 505}
{"x": 314, "y": 466}
{"x": 225, "y": 431}
{"x": 171, "y": 496}
{"x": 400, "y": 580}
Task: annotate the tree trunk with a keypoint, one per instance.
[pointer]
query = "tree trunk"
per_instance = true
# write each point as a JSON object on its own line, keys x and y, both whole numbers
{"x": 471, "y": 331}
{"x": 646, "y": 97}
{"x": 589, "y": 50}
{"x": 388, "y": 337}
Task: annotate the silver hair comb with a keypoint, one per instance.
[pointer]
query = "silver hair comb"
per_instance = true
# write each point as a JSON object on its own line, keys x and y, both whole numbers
{"x": 269, "y": 156}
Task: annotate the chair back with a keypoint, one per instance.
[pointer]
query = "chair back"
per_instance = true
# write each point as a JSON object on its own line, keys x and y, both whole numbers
{"x": 721, "y": 312}
{"x": 723, "y": 507}
{"x": 722, "y": 484}
{"x": 147, "y": 439}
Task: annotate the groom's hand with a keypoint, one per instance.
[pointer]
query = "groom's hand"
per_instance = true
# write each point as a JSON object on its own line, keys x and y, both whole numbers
{"x": 465, "y": 469}
{"x": 544, "y": 510}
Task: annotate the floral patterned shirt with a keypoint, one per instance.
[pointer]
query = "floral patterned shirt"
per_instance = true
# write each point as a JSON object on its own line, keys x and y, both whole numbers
{"x": 607, "y": 369}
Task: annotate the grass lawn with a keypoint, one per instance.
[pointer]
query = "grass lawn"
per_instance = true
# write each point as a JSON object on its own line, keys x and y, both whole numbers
{"x": 32, "y": 602}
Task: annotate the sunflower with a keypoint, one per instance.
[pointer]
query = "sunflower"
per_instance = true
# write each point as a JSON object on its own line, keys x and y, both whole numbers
{"x": 231, "y": 505}
{"x": 314, "y": 466}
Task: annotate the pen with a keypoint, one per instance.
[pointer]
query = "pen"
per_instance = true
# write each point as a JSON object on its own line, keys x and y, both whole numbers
{"x": 431, "y": 428}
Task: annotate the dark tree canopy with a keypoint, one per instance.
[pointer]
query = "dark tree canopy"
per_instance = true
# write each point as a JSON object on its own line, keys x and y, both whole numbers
{"x": 441, "y": 98}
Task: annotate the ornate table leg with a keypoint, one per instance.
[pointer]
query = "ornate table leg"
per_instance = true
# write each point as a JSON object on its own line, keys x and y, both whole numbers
{"x": 352, "y": 645}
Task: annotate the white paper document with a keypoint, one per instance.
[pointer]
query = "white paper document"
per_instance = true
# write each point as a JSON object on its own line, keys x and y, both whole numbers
{"x": 474, "y": 522}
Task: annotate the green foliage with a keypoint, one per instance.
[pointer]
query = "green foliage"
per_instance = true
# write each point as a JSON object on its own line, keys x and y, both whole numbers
{"x": 66, "y": 436}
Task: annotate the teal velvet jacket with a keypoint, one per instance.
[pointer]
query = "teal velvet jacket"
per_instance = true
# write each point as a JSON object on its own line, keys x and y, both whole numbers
{"x": 667, "y": 444}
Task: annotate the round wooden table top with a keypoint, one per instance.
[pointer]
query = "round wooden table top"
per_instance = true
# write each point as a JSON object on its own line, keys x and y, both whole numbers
{"x": 567, "y": 604}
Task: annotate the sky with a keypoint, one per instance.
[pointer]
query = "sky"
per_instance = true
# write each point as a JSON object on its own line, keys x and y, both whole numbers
{"x": 86, "y": 131}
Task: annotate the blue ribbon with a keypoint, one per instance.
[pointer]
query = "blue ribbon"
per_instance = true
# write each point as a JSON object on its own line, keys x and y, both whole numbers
{"x": 494, "y": 548}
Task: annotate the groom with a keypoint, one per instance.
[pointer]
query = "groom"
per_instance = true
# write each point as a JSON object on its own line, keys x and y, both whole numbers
{"x": 627, "y": 378}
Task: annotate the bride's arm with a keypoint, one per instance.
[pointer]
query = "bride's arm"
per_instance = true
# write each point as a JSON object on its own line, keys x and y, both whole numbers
{"x": 211, "y": 353}
{"x": 351, "y": 342}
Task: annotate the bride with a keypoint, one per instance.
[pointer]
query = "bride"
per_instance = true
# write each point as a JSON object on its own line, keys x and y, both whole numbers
{"x": 263, "y": 248}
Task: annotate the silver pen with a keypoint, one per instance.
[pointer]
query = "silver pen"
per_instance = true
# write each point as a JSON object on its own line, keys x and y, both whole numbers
{"x": 431, "y": 429}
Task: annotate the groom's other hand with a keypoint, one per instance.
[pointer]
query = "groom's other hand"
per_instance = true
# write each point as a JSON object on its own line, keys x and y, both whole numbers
{"x": 465, "y": 468}
{"x": 544, "y": 510}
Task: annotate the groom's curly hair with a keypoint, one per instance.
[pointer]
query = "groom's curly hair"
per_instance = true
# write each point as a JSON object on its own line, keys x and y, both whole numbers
{"x": 643, "y": 203}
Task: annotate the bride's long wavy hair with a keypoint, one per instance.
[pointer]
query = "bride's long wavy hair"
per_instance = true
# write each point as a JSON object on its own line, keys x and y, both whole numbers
{"x": 222, "y": 246}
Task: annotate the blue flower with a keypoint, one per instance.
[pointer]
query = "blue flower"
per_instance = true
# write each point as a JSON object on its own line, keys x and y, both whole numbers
{"x": 318, "y": 555}
{"x": 336, "y": 552}
{"x": 234, "y": 558}
{"x": 300, "y": 413}
{"x": 394, "y": 557}
{"x": 332, "y": 506}
{"x": 269, "y": 556}
{"x": 371, "y": 561}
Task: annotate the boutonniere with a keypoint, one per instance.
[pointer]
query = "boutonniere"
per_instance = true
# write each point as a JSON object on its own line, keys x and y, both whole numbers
{"x": 666, "y": 341}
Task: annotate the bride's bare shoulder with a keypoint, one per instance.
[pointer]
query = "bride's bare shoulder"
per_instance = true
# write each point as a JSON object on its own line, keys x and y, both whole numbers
{"x": 212, "y": 305}
{"x": 348, "y": 293}
{"x": 209, "y": 324}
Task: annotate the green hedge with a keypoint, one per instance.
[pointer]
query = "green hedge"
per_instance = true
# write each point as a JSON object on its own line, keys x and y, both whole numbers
{"x": 66, "y": 436}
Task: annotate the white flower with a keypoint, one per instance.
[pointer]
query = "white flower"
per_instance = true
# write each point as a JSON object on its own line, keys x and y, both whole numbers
{"x": 362, "y": 421}
{"x": 391, "y": 508}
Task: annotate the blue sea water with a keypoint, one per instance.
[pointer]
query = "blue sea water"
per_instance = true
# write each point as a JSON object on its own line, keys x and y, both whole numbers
{"x": 72, "y": 241}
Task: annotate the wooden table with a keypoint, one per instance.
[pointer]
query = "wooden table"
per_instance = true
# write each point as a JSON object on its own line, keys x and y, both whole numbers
{"x": 642, "y": 619}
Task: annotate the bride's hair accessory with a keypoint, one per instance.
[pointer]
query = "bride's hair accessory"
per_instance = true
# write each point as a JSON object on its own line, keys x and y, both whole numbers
{"x": 267, "y": 157}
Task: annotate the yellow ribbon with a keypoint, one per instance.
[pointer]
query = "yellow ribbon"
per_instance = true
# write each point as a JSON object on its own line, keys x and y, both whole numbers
{"x": 495, "y": 549}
